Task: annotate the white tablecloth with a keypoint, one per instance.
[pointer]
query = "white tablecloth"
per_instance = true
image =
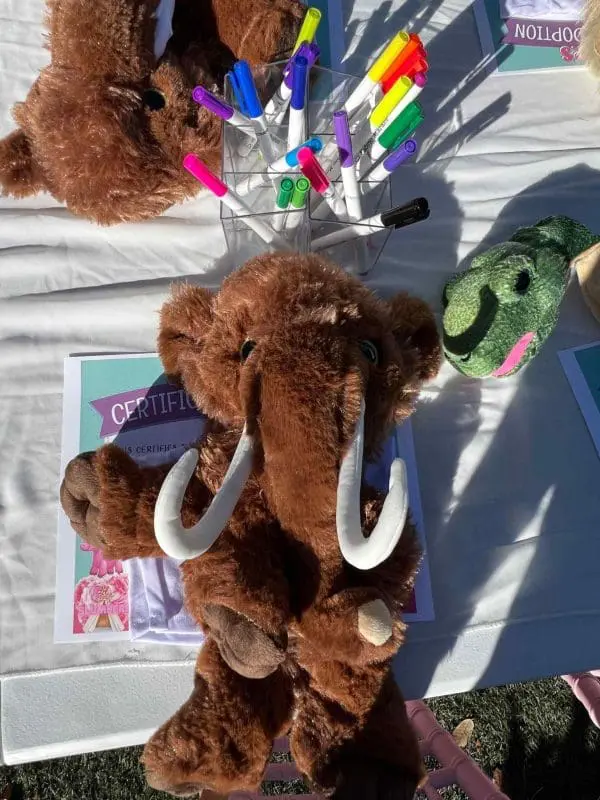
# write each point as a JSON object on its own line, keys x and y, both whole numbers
{"x": 508, "y": 474}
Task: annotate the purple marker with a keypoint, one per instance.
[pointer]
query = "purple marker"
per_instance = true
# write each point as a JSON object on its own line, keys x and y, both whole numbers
{"x": 393, "y": 161}
{"x": 297, "y": 122}
{"x": 341, "y": 128}
{"x": 277, "y": 105}
{"x": 222, "y": 109}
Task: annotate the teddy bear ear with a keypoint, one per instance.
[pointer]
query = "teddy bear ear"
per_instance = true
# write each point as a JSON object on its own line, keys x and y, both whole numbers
{"x": 415, "y": 330}
{"x": 20, "y": 176}
{"x": 185, "y": 319}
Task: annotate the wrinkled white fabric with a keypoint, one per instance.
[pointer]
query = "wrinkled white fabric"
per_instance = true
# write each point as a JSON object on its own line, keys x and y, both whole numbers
{"x": 542, "y": 9}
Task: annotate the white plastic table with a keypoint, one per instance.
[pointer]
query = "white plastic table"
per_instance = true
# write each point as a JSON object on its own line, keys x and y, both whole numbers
{"x": 508, "y": 475}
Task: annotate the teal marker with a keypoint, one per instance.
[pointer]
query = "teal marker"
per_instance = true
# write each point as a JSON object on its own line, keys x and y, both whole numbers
{"x": 284, "y": 195}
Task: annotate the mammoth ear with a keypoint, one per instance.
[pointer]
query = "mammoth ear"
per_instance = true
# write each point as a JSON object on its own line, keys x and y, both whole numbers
{"x": 414, "y": 329}
{"x": 184, "y": 322}
{"x": 20, "y": 176}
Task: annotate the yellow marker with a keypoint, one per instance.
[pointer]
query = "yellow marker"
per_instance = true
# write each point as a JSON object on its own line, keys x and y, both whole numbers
{"x": 376, "y": 71}
{"x": 308, "y": 29}
{"x": 389, "y": 102}
{"x": 389, "y": 55}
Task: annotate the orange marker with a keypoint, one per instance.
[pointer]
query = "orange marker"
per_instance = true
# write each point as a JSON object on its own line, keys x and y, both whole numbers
{"x": 409, "y": 68}
{"x": 413, "y": 46}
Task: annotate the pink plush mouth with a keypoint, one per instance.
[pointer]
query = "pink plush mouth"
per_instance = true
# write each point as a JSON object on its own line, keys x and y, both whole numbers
{"x": 514, "y": 357}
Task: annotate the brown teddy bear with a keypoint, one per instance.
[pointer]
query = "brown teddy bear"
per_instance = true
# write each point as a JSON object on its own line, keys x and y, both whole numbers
{"x": 105, "y": 126}
{"x": 296, "y": 570}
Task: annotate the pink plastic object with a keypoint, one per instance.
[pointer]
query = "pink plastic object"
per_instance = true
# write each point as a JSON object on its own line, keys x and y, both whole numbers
{"x": 201, "y": 172}
{"x": 312, "y": 170}
{"x": 586, "y": 688}
{"x": 457, "y": 768}
{"x": 101, "y": 566}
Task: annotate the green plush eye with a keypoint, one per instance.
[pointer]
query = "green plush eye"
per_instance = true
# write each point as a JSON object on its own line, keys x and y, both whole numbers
{"x": 369, "y": 350}
{"x": 522, "y": 282}
{"x": 246, "y": 349}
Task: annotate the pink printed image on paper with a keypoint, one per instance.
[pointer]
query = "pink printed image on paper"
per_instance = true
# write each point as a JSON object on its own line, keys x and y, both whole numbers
{"x": 101, "y": 601}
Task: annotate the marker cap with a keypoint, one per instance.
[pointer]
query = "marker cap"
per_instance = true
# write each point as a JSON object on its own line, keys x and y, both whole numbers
{"x": 402, "y": 126}
{"x": 219, "y": 107}
{"x": 299, "y": 72}
{"x": 315, "y": 144}
{"x": 401, "y": 216}
{"x": 399, "y": 156}
{"x": 309, "y": 26}
{"x": 389, "y": 101}
{"x": 341, "y": 128}
{"x": 243, "y": 73}
{"x": 312, "y": 170}
{"x": 389, "y": 55}
{"x": 239, "y": 97}
{"x": 301, "y": 189}
{"x": 286, "y": 189}
{"x": 413, "y": 45}
{"x": 201, "y": 172}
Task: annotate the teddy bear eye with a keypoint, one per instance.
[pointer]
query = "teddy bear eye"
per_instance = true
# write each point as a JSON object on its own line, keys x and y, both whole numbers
{"x": 153, "y": 100}
{"x": 246, "y": 349}
{"x": 369, "y": 350}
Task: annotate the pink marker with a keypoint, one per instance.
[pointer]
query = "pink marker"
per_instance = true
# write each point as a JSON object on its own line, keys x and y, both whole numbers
{"x": 312, "y": 169}
{"x": 201, "y": 172}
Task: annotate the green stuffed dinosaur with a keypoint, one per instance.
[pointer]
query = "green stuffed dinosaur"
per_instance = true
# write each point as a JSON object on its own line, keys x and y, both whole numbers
{"x": 499, "y": 312}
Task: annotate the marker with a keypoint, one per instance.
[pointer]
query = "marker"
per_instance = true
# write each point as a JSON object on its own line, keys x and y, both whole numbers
{"x": 284, "y": 195}
{"x": 403, "y": 127}
{"x": 406, "y": 66}
{"x": 298, "y": 202}
{"x": 392, "y": 162}
{"x": 389, "y": 103}
{"x": 277, "y": 105}
{"x": 223, "y": 110}
{"x": 376, "y": 71}
{"x": 254, "y": 108}
{"x": 349, "y": 182}
{"x": 286, "y": 163}
{"x": 414, "y": 45}
{"x": 237, "y": 92}
{"x": 417, "y": 86}
{"x": 201, "y": 172}
{"x": 319, "y": 181}
{"x": 308, "y": 29}
{"x": 297, "y": 119}
{"x": 400, "y": 217}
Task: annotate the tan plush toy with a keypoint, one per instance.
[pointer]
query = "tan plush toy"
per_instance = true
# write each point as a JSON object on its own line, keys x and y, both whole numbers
{"x": 106, "y": 124}
{"x": 296, "y": 570}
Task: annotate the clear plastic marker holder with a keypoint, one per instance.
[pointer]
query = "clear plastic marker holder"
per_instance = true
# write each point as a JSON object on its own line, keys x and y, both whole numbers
{"x": 242, "y": 160}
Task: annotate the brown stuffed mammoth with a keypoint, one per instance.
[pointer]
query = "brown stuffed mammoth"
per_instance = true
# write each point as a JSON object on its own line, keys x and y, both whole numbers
{"x": 295, "y": 568}
{"x": 106, "y": 124}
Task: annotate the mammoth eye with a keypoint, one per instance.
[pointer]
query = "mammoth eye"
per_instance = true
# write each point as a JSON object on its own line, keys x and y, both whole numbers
{"x": 153, "y": 100}
{"x": 369, "y": 350}
{"x": 246, "y": 349}
{"x": 522, "y": 282}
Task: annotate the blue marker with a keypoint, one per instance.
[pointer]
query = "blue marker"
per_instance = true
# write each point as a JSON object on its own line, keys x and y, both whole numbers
{"x": 297, "y": 122}
{"x": 254, "y": 109}
{"x": 237, "y": 92}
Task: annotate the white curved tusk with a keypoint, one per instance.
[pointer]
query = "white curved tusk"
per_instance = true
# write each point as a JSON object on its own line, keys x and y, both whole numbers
{"x": 183, "y": 543}
{"x": 357, "y": 550}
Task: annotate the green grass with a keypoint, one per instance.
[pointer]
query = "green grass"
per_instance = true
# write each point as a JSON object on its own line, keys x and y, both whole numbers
{"x": 536, "y": 736}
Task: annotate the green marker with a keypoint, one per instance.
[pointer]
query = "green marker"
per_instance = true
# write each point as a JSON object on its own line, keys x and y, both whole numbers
{"x": 301, "y": 190}
{"x": 400, "y": 129}
{"x": 284, "y": 195}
